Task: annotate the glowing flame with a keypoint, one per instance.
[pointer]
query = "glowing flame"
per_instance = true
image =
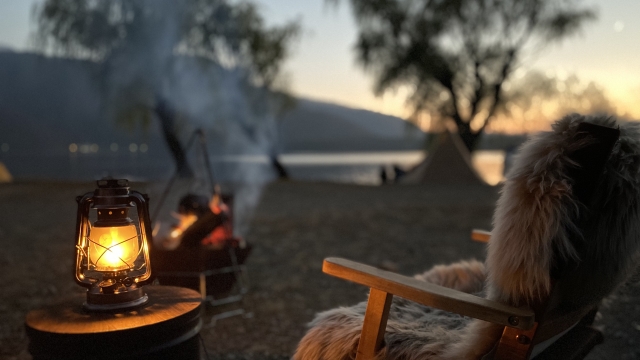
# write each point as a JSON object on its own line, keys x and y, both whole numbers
{"x": 114, "y": 252}
{"x": 113, "y": 248}
{"x": 184, "y": 222}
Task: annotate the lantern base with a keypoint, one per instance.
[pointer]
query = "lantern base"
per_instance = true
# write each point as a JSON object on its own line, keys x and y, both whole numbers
{"x": 115, "y": 302}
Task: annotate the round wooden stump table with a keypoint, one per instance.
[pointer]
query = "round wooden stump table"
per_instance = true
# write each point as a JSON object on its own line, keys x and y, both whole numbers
{"x": 165, "y": 328}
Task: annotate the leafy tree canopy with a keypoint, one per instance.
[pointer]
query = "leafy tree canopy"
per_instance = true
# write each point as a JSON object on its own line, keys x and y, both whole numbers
{"x": 455, "y": 55}
{"x": 228, "y": 34}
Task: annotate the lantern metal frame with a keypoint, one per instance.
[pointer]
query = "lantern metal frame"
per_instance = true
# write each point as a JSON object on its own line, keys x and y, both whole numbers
{"x": 117, "y": 289}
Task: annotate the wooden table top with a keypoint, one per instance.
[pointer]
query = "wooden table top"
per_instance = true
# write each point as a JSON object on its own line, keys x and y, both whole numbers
{"x": 68, "y": 316}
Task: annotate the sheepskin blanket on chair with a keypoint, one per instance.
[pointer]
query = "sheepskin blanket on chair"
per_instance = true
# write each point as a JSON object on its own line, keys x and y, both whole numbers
{"x": 533, "y": 230}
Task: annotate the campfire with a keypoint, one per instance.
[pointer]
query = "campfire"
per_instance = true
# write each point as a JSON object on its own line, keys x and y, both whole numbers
{"x": 208, "y": 220}
{"x": 184, "y": 221}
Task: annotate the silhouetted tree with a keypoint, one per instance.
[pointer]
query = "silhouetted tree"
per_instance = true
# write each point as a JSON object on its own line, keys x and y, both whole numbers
{"x": 137, "y": 40}
{"x": 455, "y": 55}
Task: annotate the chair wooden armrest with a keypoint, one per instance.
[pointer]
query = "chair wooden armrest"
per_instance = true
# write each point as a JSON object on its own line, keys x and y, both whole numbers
{"x": 517, "y": 321}
{"x": 430, "y": 294}
{"x": 384, "y": 284}
{"x": 482, "y": 236}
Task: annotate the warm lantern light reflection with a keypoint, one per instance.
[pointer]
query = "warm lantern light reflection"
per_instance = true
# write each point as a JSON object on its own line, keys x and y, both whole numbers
{"x": 113, "y": 248}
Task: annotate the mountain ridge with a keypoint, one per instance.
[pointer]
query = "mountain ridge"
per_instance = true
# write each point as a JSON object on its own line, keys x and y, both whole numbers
{"x": 46, "y": 104}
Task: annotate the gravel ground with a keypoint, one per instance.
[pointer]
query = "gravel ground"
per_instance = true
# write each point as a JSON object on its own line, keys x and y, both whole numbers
{"x": 295, "y": 226}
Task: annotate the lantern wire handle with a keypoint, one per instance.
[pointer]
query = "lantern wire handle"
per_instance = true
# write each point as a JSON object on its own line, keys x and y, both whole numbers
{"x": 82, "y": 250}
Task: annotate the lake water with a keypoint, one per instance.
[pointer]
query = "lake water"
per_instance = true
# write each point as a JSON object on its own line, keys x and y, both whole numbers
{"x": 356, "y": 167}
{"x": 365, "y": 167}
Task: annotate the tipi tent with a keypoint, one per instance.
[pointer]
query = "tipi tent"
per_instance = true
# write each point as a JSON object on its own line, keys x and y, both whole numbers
{"x": 449, "y": 163}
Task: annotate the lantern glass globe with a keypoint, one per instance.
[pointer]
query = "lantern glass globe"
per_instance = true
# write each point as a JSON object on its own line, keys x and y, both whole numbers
{"x": 113, "y": 248}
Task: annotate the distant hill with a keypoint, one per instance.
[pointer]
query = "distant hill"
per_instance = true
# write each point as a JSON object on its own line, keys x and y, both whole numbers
{"x": 47, "y": 104}
{"x": 319, "y": 126}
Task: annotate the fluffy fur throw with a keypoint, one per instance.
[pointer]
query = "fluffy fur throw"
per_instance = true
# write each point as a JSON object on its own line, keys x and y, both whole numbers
{"x": 533, "y": 231}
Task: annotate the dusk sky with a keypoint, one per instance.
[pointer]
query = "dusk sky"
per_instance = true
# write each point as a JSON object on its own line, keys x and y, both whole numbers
{"x": 322, "y": 65}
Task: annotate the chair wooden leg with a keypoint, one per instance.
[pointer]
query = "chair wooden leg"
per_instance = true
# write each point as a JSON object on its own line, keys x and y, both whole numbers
{"x": 375, "y": 323}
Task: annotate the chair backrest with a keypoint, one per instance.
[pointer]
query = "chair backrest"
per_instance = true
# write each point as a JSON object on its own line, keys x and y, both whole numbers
{"x": 597, "y": 219}
{"x": 596, "y": 143}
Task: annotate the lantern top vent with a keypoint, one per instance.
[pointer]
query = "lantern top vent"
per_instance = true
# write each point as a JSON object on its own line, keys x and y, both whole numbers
{"x": 113, "y": 183}
{"x": 111, "y": 193}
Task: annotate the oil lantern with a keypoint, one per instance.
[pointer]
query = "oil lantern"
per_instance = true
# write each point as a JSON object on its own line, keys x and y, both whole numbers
{"x": 113, "y": 233}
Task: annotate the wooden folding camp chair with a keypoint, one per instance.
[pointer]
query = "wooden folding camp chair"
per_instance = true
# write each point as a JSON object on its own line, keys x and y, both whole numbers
{"x": 566, "y": 328}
